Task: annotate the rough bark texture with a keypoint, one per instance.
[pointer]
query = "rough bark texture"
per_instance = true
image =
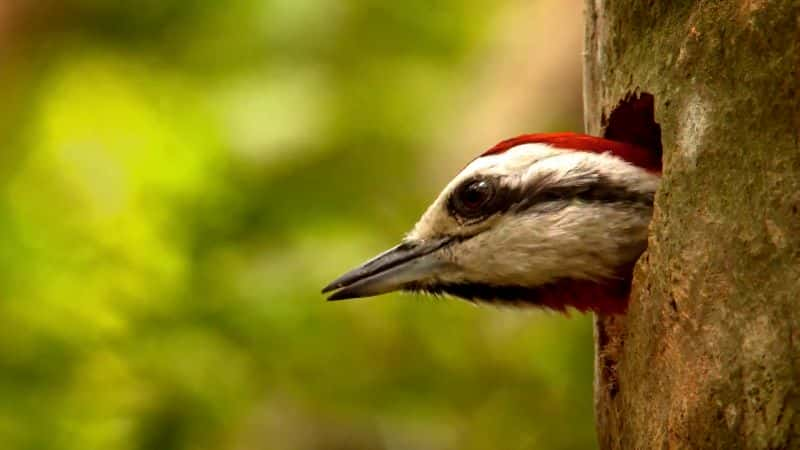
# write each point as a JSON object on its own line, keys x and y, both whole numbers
{"x": 707, "y": 355}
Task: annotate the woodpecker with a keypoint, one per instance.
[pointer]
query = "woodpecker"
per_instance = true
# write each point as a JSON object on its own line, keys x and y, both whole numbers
{"x": 555, "y": 220}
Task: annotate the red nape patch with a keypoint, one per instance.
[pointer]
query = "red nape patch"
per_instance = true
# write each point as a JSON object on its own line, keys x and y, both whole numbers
{"x": 638, "y": 156}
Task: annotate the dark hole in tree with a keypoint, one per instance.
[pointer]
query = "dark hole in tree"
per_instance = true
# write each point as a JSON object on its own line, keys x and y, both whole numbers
{"x": 633, "y": 121}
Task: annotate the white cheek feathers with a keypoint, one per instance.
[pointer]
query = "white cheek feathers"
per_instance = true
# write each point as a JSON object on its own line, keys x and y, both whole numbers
{"x": 580, "y": 241}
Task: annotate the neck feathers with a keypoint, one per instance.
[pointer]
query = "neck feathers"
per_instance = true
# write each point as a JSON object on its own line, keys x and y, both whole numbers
{"x": 606, "y": 297}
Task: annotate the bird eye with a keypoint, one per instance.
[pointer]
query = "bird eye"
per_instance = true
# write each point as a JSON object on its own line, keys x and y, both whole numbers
{"x": 472, "y": 196}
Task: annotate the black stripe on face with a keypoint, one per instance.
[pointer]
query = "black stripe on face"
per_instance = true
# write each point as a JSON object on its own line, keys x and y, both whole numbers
{"x": 481, "y": 291}
{"x": 608, "y": 296}
{"x": 589, "y": 188}
{"x": 548, "y": 192}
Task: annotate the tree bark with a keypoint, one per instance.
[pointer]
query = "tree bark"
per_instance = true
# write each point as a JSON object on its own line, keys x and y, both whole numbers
{"x": 707, "y": 354}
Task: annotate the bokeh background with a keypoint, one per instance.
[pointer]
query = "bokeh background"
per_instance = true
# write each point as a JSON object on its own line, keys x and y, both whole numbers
{"x": 180, "y": 178}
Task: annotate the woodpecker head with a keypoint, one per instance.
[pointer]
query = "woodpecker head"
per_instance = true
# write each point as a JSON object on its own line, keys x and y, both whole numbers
{"x": 554, "y": 220}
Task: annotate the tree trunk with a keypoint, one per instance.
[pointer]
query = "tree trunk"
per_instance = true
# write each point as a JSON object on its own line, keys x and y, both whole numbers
{"x": 707, "y": 355}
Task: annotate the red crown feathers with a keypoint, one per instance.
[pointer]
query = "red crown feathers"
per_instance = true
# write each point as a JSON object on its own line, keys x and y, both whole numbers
{"x": 638, "y": 156}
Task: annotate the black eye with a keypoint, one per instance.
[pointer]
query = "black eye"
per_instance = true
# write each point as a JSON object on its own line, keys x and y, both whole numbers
{"x": 471, "y": 197}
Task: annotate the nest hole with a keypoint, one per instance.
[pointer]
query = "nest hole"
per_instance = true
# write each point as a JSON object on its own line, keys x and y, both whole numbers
{"x": 633, "y": 121}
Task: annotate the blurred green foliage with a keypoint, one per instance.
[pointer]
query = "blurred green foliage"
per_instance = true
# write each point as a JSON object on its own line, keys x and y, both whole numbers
{"x": 179, "y": 178}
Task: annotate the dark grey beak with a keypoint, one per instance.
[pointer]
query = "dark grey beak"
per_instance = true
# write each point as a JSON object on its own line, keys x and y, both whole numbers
{"x": 390, "y": 271}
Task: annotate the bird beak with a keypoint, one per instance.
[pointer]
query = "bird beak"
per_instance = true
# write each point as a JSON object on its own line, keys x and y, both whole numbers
{"x": 392, "y": 270}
